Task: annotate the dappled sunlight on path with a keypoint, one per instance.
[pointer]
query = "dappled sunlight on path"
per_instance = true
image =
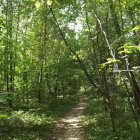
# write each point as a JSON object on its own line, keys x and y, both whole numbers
{"x": 69, "y": 127}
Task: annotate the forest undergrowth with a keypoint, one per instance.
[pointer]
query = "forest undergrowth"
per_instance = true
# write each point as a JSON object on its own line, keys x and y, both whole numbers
{"x": 30, "y": 122}
{"x": 97, "y": 124}
{"x": 53, "y": 48}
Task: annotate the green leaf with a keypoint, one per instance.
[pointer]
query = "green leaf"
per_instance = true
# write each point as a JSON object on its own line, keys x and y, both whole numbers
{"x": 138, "y": 67}
{"x": 128, "y": 49}
{"x": 3, "y": 115}
{"x": 49, "y": 2}
{"x": 136, "y": 28}
{"x": 38, "y": 4}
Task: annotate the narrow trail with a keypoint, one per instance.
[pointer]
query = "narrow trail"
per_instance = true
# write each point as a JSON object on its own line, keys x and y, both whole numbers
{"x": 69, "y": 127}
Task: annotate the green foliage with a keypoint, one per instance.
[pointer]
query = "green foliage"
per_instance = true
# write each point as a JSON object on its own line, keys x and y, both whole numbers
{"x": 110, "y": 62}
{"x": 3, "y": 114}
{"x": 3, "y": 97}
{"x": 40, "y": 41}
{"x": 33, "y": 122}
{"x": 136, "y": 28}
{"x": 97, "y": 123}
{"x": 128, "y": 49}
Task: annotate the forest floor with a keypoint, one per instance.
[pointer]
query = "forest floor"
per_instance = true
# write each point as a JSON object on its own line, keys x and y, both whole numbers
{"x": 69, "y": 127}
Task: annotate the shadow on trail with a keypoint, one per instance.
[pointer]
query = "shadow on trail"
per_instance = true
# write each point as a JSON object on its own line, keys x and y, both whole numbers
{"x": 69, "y": 127}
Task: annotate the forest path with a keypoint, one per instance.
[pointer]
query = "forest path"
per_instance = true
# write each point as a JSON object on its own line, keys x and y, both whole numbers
{"x": 69, "y": 127}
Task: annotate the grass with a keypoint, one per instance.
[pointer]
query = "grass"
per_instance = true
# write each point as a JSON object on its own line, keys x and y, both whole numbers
{"x": 29, "y": 123}
{"x": 97, "y": 124}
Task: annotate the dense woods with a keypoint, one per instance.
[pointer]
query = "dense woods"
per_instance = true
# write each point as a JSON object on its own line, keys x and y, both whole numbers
{"x": 53, "y": 51}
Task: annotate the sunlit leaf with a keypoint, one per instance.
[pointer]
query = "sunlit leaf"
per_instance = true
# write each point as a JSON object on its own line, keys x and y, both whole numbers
{"x": 38, "y": 4}
{"x": 138, "y": 67}
{"x": 49, "y": 2}
{"x": 136, "y": 28}
{"x": 3, "y": 114}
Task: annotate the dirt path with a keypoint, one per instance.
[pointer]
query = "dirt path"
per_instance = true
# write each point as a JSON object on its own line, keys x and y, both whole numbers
{"x": 69, "y": 127}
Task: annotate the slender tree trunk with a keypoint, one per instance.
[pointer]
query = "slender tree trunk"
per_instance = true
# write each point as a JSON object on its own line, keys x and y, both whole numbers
{"x": 130, "y": 74}
{"x": 130, "y": 104}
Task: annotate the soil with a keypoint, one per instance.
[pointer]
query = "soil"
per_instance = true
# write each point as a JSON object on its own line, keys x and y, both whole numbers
{"x": 69, "y": 127}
